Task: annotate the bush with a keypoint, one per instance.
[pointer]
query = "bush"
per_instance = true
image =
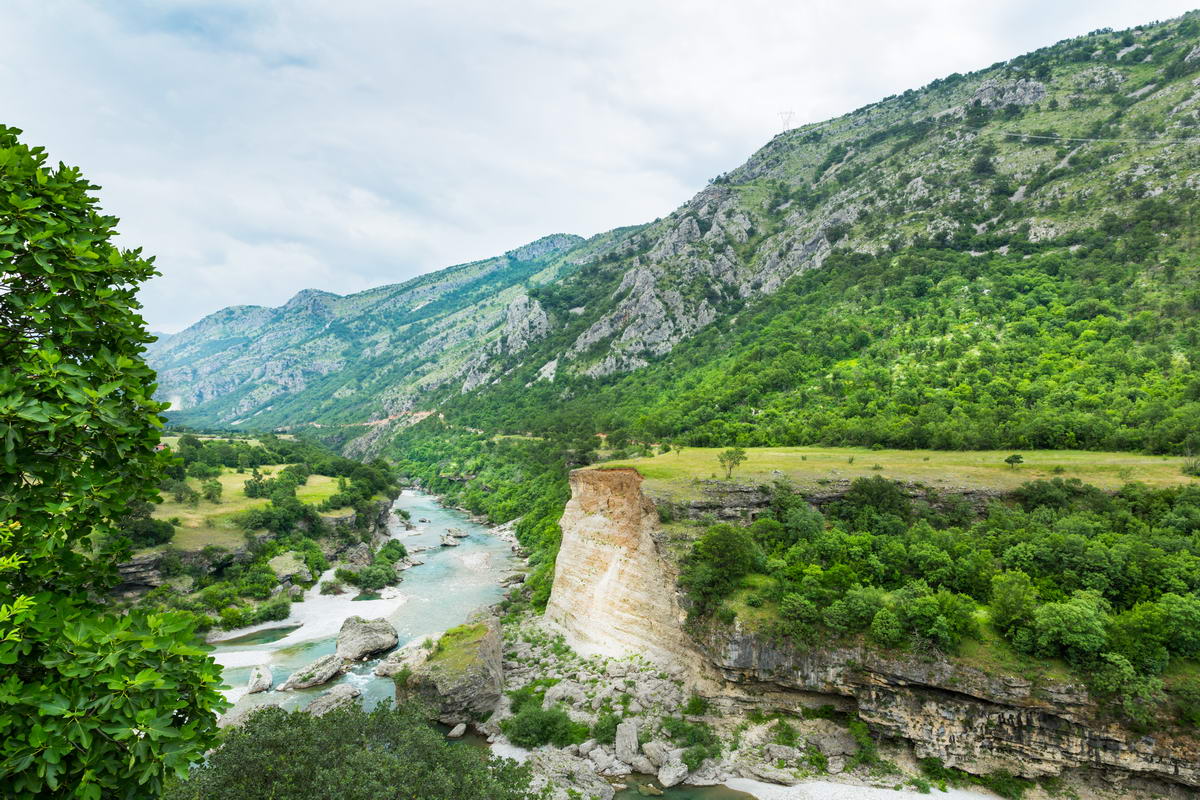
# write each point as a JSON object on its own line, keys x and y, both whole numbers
{"x": 605, "y": 729}
{"x": 332, "y": 587}
{"x": 350, "y": 754}
{"x": 697, "y": 739}
{"x": 695, "y": 705}
{"x": 534, "y": 726}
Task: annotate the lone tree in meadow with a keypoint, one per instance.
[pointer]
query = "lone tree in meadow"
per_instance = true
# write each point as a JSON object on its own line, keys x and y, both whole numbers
{"x": 1014, "y": 460}
{"x": 96, "y": 704}
{"x": 731, "y": 459}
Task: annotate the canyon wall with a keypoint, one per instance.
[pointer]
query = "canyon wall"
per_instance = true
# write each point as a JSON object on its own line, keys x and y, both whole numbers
{"x": 615, "y": 593}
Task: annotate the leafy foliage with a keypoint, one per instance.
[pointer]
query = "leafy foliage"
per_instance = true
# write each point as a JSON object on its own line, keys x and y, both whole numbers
{"x": 349, "y": 754}
{"x": 94, "y": 704}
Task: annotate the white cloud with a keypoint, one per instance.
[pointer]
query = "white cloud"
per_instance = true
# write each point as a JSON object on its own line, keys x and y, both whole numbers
{"x": 258, "y": 148}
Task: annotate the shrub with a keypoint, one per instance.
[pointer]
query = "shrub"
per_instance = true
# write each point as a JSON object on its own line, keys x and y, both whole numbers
{"x": 350, "y": 754}
{"x": 534, "y": 726}
{"x": 695, "y": 705}
{"x": 605, "y": 729}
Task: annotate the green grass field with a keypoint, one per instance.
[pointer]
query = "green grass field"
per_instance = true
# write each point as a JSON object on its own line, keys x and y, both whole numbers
{"x": 214, "y": 523}
{"x": 675, "y": 475}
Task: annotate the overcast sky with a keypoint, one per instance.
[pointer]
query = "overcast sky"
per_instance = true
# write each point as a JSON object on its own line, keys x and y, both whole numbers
{"x": 258, "y": 148}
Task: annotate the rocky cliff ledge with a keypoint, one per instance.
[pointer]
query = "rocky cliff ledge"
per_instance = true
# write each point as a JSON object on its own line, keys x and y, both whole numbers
{"x": 615, "y": 592}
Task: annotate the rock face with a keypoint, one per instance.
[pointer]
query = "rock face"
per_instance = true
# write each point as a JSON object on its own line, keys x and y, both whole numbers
{"x": 341, "y": 695}
{"x": 260, "y": 679}
{"x": 627, "y": 741}
{"x": 613, "y": 592}
{"x": 360, "y": 638}
{"x": 323, "y": 670}
{"x": 461, "y": 676}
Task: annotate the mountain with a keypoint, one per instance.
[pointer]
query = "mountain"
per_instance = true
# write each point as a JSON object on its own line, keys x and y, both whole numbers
{"x": 914, "y": 239}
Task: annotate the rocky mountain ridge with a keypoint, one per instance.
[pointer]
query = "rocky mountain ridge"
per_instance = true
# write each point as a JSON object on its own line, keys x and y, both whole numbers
{"x": 1033, "y": 152}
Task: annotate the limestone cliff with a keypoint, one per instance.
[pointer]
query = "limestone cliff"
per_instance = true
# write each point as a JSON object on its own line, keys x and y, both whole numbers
{"x": 613, "y": 590}
{"x": 615, "y": 593}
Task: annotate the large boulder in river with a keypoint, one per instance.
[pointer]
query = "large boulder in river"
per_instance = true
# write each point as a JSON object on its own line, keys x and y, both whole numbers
{"x": 360, "y": 638}
{"x": 341, "y": 695}
{"x": 323, "y": 670}
{"x": 461, "y": 676}
{"x": 260, "y": 679}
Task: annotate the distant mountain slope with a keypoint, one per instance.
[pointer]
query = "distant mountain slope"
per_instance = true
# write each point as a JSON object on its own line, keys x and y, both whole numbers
{"x": 1047, "y": 152}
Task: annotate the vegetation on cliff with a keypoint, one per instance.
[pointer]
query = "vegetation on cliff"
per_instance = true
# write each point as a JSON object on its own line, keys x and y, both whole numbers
{"x": 1107, "y": 583}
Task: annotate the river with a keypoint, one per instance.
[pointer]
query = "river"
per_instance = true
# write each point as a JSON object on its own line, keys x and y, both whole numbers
{"x": 434, "y": 596}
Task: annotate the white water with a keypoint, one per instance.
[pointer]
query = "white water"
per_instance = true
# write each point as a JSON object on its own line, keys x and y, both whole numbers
{"x": 434, "y": 596}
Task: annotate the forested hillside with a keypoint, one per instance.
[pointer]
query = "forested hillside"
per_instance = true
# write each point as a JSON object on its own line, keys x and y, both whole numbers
{"x": 1000, "y": 259}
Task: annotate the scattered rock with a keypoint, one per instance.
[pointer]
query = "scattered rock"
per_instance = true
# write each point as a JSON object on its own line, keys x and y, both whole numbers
{"x": 323, "y": 670}
{"x": 412, "y": 655}
{"x": 457, "y": 731}
{"x": 341, "y": 695}
{"x": 780, "y": 752}
{"x": 649, "y": 790}
{"x": 564, "y": 774}
{"x": 601, "y": 758}
{"x": 360, "y": 638}
{"x": 627, "y": 741}
{"x": 658, "y": 752}
{"x": 448, "y": 541}
{"x": 260, "y": 679}
{"x": 674, "y": 770}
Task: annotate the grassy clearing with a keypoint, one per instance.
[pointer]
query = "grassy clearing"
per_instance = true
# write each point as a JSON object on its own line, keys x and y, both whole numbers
{"x": 675, "y": 475}
{"x": 214, "y": 523}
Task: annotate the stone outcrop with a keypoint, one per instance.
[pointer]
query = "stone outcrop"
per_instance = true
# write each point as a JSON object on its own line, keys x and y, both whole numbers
{"x": 461, "y": 675}
{"x": 360, "y": 638}
{"x": 260, "y": 679}
{"x": 323, "y": 670}
{"x": 338, "y": 697}
{"x": 614, "y": 592}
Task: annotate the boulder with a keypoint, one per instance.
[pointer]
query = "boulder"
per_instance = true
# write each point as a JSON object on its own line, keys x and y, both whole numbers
{"x": 674, "y": 770}
{"x": 323, "y": 670}
{"x": 659, "y": 752}
{"x": 649, "y": 790}
{"x": 359, "y": 555}
{"x": 341, "y": 695}
{"x": 462, "y": 674}
{"x": 570, "y": 693}
{"x": 627, "y": 741}
{"x": 242, "y": 712}
{"x": 290, "y": 566}
{"x": 360, "y": 638}
{"x": 642, "y": 764}
{"x": 601, "y": 758}
{"x": 457, "y": 731}
{"x": 780, "y": 752}
{"x": 448, "y": 540}
{"x": 260, "y": 679}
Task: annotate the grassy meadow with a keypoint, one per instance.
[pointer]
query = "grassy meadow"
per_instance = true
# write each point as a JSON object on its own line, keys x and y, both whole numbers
{"x": 675, "y": 475}
{"x": 210, "y": 523}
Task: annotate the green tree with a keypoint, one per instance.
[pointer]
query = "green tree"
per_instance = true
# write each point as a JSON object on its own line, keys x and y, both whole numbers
{"x": 349, "y": 754}
{"x": 1075, "y": 629}
{"x": 1014, "y": 460}
{"x": 1014, "y": 599}
{"x": 211, "y": 490}
{"x": 731, "y": 459}
{"x": 95, "y": 704}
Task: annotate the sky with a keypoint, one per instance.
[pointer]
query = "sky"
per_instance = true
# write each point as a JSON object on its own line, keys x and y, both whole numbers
{"x": 260, "y": 148}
